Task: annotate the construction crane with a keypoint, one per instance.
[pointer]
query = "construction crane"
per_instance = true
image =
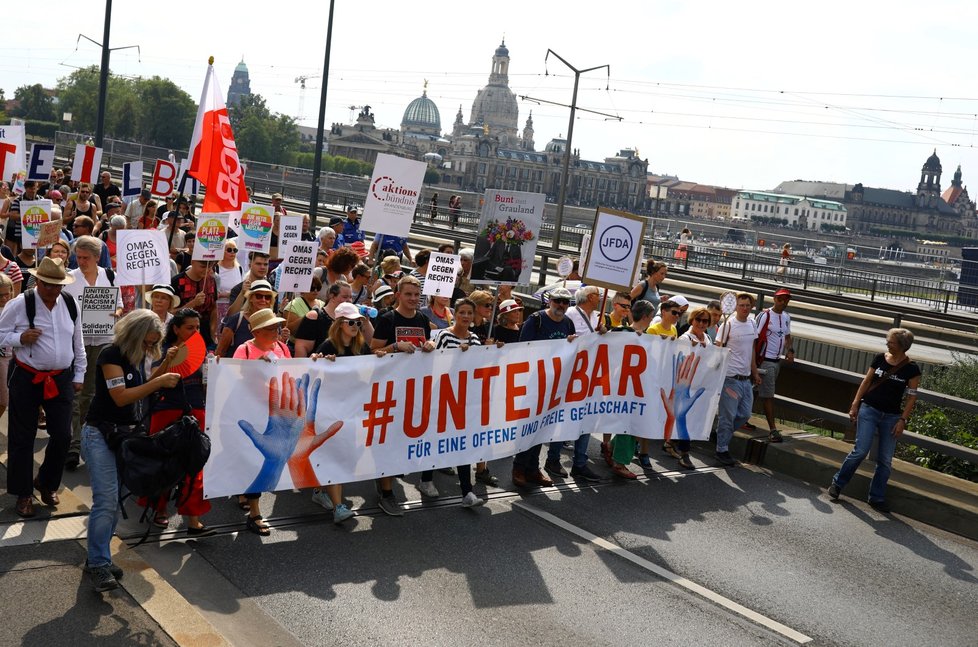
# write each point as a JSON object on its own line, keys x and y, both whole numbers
{"x": 301, "y": 80}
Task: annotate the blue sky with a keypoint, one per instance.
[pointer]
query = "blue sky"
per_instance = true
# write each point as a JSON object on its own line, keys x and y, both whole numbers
{"x": 738, "y": 94}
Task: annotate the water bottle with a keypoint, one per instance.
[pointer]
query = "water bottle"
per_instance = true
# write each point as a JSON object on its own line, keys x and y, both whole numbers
{"x": 368, "y": 311}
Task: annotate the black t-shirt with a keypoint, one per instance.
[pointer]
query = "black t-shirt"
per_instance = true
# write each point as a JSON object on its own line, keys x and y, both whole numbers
{"x": 888, "y": 396}
{"x": 328, "y": 348}
{"x": 189, "y": 390}
{"x": 103, "y": 408}
{"x": 506, "y": 335}
{"x": 315, "y": 330}
{"x": 482, "y": 331}
{"x": 392, "y": 327}
{"x": 104, "y": 193}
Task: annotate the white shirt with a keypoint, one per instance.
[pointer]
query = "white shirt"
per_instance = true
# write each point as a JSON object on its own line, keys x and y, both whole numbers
{"x": 56, "y": 347}
{"x": 777, "y": 330}
{"x": 576, "y": 315}
{"x": 134, "y": 211}
{"x": 739, "y": 337}
{"x": 78, "y": 287}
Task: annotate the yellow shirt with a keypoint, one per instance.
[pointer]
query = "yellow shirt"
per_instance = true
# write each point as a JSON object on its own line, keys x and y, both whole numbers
{"x": 659, "y": 329}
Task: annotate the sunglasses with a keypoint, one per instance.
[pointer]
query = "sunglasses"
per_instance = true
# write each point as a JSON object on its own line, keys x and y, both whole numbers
{"x": 353, "y": 323}
{"x": 561, "y": 301}
{"x": 624, "y": 306}
{"x": 675, "y": 313}
{"x": 260, "y": 295}
{"x": 705, "y": 320}
{"x": 231, "y": 250}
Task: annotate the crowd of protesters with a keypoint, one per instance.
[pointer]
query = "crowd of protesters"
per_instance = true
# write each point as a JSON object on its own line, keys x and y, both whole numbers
{"x": 363, "y": 300}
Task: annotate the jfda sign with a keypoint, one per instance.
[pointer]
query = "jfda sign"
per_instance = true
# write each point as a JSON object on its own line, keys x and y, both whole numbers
{"x": 615, "y": 251}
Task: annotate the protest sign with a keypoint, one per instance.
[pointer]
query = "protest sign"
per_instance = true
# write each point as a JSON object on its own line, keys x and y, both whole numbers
{"x": 255, "y": 228}
{"x": 32, "y": 214}
{"x": 132, "y": 179}
{"x": 564, "y": 267}
{"x": 289, "y": 228}
{"x": 212, "y": 229}
{"x": 88, "y": 161}
{"x": 443, "y": 269}
{"x": 164, "y": 178}
{"x": 98, "y": 307}
{"x": 405, "y": 413}
{"x": 49, "y": 233}
{"x": 298, "y": 261}
{"x": 582, "y": 252}
{"x": 615, "y": 249}
{"x": 186, "y": 184}
{"x": 506, "y": 238}
{"x": 393, "y": 195}
{"x": 41, "y": 162}
{"x": 142, "y": 257}
{"x": 13, "y": 152}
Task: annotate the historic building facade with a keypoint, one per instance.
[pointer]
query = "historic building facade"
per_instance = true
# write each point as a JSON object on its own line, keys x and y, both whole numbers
{"x": 794, "y": 210}
{"x": 490, "y": 151}
{"x": 240, "y": 84}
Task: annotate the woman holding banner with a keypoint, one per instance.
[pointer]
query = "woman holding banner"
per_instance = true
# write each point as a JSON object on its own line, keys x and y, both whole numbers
{"x": 173, "y": 401}
{"x": 458, "y": 335}
{"x": 264, "y": 344}
{"x": 235, "y": 333}
{"x": 346, "y": 340}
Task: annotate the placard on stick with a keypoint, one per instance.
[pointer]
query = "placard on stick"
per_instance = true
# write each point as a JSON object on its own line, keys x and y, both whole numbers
{"x": 298, "y": 261}
{"x": 212, "y": 229}
{"x": 98, "y": 310}
{"x": 33, "y": 214}
{"x": 439, "y": 280}
{"x": 142, "y": 257}
{"x": 615, "y": 249}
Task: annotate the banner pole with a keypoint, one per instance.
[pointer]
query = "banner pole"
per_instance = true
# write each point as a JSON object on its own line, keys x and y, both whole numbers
{"x": 604, "y": 302}
{"x": 492, "y": 320}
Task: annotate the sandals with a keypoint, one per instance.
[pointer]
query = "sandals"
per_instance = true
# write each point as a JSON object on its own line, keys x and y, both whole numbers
{"x": 685, "y": 463}
{"x": 258, "y": 526}
{"x": 243, "y": 504}
{"x": 669, "y": 448}
{"x": 775, "y": 436}
{"x": 161, "y": 520}
{"x": 623, "y": 472}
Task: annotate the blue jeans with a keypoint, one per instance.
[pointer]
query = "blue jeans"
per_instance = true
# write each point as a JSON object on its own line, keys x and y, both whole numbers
{"x": 105, "y": 495}
{"x": 580, "y": 450}
{"x": 871, "y": 423}
{"x": 736, "y": 401}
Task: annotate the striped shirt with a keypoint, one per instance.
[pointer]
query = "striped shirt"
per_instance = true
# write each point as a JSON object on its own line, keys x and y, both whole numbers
{"x": 445, "y": 338}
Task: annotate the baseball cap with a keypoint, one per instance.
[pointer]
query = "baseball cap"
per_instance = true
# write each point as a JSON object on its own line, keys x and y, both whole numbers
{"x": 348, "y": 311}
{"x": 783, "y": 292}
{"x": 679, "y": 300}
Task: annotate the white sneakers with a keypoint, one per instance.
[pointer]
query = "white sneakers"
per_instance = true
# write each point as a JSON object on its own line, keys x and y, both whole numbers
{"x": 470, "y": 500}
{"x": 428, "y": 489}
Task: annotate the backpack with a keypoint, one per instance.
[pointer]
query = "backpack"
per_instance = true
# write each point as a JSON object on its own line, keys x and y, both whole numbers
{"x": 30, "y": 305}
{"x": 760, "y": 344}
{"x": 152, "y": 465}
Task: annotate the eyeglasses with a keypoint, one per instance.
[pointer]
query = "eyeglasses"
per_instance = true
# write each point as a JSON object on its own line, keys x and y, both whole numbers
{"x": 353, "y": 323}
{"x": 565, "y": 302}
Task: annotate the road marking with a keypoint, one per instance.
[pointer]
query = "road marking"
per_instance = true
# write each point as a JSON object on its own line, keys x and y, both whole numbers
{"x": 667, "y": 575}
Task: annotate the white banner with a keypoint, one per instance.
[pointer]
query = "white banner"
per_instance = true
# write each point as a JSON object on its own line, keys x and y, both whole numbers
{"x": 393, "y": 195}
{"x": 443, "y": 269}
{"x": 13, "y": 151}
{"x": 405, "y": 413}
{"x": 98, "y": 310}
{"x": 212, "y": 230}
{"x": 32, "y": 214}
{"x": 255, "y": 233}
{"x": 41, "y": 162}
{"x": 142, "y": 257}
{"x": 615, "y": 250}
{"x": 87, "y": 164}
{"x": 132, "y": 179}
{"x": 507, "y": 235}
{"x": 298, "y": 261}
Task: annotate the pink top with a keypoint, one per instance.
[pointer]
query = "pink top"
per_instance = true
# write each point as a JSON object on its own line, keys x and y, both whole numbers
{"x": 248, "y": 350}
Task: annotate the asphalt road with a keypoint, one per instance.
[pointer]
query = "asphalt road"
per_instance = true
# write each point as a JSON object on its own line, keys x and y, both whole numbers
{"x": 814, "y": 571}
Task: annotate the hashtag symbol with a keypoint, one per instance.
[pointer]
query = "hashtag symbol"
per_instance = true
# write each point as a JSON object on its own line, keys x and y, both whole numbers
{"x": 383, "y": 408}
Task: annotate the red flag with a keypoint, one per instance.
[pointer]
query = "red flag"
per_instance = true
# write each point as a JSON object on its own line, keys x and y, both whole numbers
{"x": 213, "y": 154}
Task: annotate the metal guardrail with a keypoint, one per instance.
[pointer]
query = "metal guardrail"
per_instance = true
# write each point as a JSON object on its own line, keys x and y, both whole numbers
{"x": 841, "y": 419}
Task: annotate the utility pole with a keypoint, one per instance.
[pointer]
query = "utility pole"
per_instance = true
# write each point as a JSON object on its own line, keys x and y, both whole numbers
{"x": 317, "y": 163}
{"x": 570, "y": 138}
{"x": 103, "y": 77}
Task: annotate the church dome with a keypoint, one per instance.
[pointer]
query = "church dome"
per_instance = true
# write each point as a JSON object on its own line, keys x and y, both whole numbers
{"x": 502, "y": 49}
{"x": 422, "y": 116}
{"x": 241, "y": 67}
{"x": 933, "y": 162}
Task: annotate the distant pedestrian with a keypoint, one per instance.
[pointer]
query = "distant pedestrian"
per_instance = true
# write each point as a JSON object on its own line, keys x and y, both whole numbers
{"x": 737, "y": 395}
{"x": 774, "y": 346}
{"x": 433, "y": 207}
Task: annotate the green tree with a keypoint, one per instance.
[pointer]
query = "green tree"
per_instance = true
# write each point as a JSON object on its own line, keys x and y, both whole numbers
{"x": 34, "y": 103}
{"x": 260, "y": 134}
{"x": 78, "y": 94}
{"x": 167, "y": 113}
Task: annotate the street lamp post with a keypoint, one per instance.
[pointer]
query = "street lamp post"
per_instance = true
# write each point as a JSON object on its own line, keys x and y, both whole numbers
{"x": 570, "y": 138}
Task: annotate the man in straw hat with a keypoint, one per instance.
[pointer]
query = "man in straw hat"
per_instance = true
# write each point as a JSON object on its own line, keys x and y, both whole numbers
{"x": 45, "y": 331}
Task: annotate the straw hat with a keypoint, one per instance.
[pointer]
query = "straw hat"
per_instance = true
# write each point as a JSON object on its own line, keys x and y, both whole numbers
{"x": 263, "y": 319}
{"x": 167, "y": 290}
{"x": 52, "y": 270}
{"x": 261, "y": 285}
{"x": 508, "y": 306}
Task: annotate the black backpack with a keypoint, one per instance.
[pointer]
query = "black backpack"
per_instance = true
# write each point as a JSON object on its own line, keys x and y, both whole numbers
{"x": 30, "y": 305}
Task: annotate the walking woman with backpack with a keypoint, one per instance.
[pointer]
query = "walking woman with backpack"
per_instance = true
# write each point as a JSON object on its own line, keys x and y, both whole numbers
{"x": 121, "y": 388}
{"x": 187, "y": 396}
